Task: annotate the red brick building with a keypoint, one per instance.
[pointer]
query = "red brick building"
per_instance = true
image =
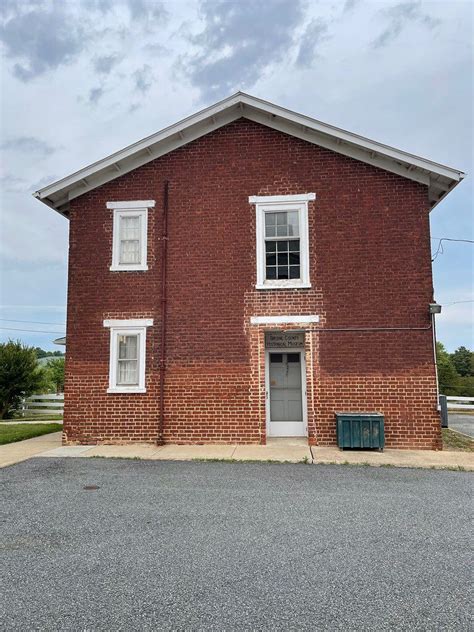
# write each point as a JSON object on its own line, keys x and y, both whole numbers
{"x": 247, "y": 273}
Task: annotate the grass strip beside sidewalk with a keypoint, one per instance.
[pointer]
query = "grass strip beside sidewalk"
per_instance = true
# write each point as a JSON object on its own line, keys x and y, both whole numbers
{"x": 18, "y": 432}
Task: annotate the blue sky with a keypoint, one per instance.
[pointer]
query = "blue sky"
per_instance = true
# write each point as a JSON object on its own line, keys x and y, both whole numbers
{"x": 81, "y": 79}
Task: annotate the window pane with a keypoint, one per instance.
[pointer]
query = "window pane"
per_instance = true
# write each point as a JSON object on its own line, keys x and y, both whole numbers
{"x": 271, "y": 259}
{"x": 282, "y": 231}
{"x": 293, "y": 227}
{"x": 270, "y": 222}
{"x": 294, "y": 272}
{"x": 276, "y": 358}
{"x": 283, "y": 259}
{"x": 130, "y": 227}
{"x": 283, "y": 272}
{"x": 295, "y": 258}
{"x": 127, "y": 372}
{"x": 127, "y": 362}
{"x": 294, "y": 245}
{"x": 130, "y": 239}
{"x": 282, "y": 246}
{"x": 130, "y": 251}
{"x": 270, "y": 246}
{"x": 281, "y": 219}
{"x": 293, "y": 357}
{"x": 271, "y": 272}
{"x": 128, "y": 347}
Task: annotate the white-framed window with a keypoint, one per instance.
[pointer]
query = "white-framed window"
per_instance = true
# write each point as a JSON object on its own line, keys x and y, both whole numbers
{"x": 127, "y": 355}
{"x": 130, "y": 231}
{"x": 282, "y": 241}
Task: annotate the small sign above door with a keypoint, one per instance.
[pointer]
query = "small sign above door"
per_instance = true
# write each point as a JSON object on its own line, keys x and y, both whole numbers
{"x": 284, "y": 340}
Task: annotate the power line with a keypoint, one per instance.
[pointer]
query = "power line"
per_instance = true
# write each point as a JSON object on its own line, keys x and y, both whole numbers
{"x": 458, "y": 302}
{"x": 440, "y": 250}
{"x": 30, "y": 322}
{"x": 36, "y": 331}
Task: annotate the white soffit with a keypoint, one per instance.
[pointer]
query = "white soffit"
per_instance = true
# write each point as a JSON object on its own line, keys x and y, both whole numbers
{"x": 440, "y": 179}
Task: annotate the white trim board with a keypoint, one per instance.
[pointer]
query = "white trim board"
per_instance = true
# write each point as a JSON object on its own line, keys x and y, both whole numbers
{"x": 283, "y": 320}
{"x": 439, "y": 178}
{"x": 271, "y": 199}
{"x": 133, "y": 322}
{"x": 134, "y": 204}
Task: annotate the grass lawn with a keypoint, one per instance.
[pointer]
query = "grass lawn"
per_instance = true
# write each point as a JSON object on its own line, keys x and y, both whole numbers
{"x": 455, "y": 441}
{"x": 37, "y": 418}
{"x": 18, "y": 432}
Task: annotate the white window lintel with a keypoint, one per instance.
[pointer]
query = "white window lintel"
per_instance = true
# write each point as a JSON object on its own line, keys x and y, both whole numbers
{"x": 134, "y": 322}
{"x": 284, "y": 320}
{"x": 134, "y": 204}
{"x": 272, "y": 199}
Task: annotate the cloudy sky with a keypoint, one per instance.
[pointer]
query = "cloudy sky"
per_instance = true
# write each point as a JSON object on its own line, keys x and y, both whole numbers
{"x": 83, "y": 78}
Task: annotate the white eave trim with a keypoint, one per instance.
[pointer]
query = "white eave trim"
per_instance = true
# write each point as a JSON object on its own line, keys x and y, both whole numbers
{"x": 283, "y": 320}
{"x": 272, "y": 199}
{"x": 134, "y": 322}
{"x": 58, "y": 194}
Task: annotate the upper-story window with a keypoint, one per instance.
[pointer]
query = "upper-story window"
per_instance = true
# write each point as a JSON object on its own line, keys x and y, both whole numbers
{"x": 129, "y": 242}
{"x": 282, "y": 241}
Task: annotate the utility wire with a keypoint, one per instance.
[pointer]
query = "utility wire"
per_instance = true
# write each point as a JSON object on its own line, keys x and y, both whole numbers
{"x": 30, "y": 322}
{"x": 457, "y": 303}
{"x": 36, "y": 331}
{"x": 440, "y": 250}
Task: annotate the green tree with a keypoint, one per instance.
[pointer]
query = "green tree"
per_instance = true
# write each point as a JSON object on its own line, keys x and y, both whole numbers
{"x": 447, "y": 375}
{"x": 463, "y": 361}
{"x": 20, "y": 375}
{"x": 41, "y": 353}
{"x": 55, "y": 372}
{"x": 466, "y": 386}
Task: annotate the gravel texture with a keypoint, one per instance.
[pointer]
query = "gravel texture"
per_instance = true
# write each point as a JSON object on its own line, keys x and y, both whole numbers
{"x": 223, "y": 546}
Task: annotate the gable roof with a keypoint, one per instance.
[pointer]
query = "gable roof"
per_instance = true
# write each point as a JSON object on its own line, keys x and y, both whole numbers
{"x": 438, "y": 178}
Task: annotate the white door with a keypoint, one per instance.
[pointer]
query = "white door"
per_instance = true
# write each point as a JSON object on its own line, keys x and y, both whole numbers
{"x": 286, "y": 406}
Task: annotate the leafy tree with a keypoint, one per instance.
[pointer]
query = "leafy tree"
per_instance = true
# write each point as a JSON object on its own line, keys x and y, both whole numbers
{"x": 41, "y": 353}
{"x": 463, "y": 361}
{"x": 466, "y": 386}
{"x": 55, "y": 372}
{"x": 447, "y": 375}
{"x": 20, "y": 375}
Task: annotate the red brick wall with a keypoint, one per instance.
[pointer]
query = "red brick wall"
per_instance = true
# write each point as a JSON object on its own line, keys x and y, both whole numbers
{"x": 369, "y": 267}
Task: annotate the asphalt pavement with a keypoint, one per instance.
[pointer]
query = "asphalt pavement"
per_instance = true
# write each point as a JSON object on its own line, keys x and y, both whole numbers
{"x": 462, "y": 423}
{"x": 112, "y": 544}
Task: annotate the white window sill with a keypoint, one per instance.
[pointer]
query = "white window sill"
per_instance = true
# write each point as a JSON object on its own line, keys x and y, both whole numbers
{"x": 128, "y": 268}
{"x": 283, "y": 286}
{"x": 135, "y": 389}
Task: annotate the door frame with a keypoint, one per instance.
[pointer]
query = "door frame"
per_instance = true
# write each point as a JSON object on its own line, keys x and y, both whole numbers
{"x": 304, "y": 433}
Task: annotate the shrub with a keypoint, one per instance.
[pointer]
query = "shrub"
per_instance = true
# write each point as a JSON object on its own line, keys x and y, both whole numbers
{"x": 20, "y": 375}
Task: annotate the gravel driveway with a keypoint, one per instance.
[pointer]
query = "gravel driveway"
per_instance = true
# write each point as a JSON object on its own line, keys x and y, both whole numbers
{"x": 221, "y": 546}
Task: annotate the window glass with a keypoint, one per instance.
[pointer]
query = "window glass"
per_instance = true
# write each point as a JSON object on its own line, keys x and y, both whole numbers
{"x": 276, "y": 358}
{"x": 293, "y": 357}
{"x": 127, "y": 360}
{"x": 130, "y": 239}
{"x": 282, "y": 258}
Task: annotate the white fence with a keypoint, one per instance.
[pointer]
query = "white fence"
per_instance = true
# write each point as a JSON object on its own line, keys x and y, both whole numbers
{"x": 461, "y": 403}
{"x": 48, "y": 404}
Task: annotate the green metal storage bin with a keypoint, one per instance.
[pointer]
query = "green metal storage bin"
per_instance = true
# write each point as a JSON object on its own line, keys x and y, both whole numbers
{"x": 360, "y": 430}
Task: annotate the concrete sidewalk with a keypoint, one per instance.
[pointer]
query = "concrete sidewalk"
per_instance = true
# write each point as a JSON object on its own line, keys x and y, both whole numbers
{"x": 287, "y": 450}
{"x": 284, "y": 450}
{"x": 22, "y": 450}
